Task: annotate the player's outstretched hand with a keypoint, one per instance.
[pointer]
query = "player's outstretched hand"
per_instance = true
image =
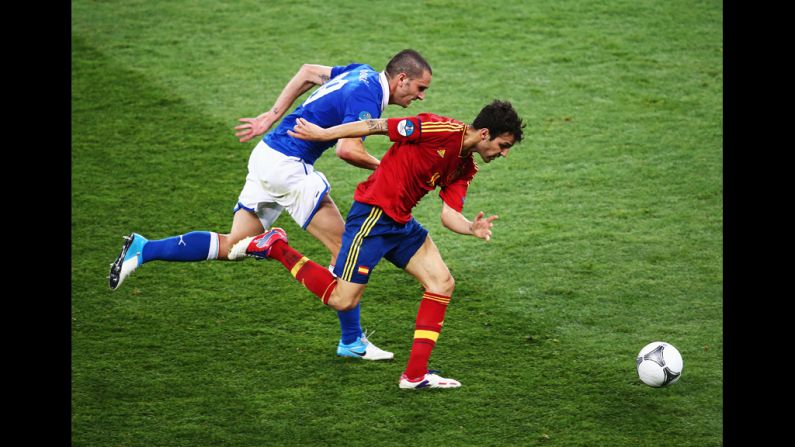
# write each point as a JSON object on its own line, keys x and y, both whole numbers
{"x": 482, "y": 227}
{"x": 254, "y": 127}
{"x": 305, "y": 130}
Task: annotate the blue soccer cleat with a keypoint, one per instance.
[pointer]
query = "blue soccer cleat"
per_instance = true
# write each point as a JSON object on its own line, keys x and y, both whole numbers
{"x": 129, "y": 259}
{"x": 257, "y": 246}
{"x": 363, "y": 349}
{"x": 429, "y": 380}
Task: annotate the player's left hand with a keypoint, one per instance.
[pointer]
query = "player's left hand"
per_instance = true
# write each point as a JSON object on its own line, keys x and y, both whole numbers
{"x": 482, "y": 227}
{"x": 305, "y": 130}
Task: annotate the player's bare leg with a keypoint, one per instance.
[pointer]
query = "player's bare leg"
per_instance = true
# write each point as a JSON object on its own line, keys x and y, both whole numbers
{"x": 430, "y": 270}
{"x": 244, "y": 224}
{"x": 327, "y": 226}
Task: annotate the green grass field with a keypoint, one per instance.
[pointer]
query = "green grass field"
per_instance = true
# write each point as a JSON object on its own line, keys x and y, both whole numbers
{"x": 610, "y": 232}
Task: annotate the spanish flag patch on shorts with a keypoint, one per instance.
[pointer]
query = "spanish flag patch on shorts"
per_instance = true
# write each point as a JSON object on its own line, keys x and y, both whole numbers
{"x": 362, "y": 270}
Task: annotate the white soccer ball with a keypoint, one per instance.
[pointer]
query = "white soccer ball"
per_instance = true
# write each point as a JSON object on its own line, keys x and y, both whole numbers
{"x": 659, "y": 364}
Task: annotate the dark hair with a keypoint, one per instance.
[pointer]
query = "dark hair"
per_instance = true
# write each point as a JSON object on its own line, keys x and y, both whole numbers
{"x": 409, "y": 62}
{"x": 500, "y": 117}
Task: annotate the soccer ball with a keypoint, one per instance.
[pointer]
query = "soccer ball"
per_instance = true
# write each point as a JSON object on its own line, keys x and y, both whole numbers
{"x": 659, "y": 364}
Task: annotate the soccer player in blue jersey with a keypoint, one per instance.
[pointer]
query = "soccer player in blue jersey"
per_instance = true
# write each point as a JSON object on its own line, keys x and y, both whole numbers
{"x": 281, "y": 175}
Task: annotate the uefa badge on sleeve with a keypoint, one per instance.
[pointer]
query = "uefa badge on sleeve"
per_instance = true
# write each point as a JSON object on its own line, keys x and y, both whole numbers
{"x": 405, "y": 128}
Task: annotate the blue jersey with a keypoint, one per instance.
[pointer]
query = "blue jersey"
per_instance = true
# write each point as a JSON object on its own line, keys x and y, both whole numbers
{"x": 355, "y": 92}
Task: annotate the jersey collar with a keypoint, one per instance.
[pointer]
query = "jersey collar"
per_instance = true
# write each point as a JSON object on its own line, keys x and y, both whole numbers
{"x": 385, "y": 89}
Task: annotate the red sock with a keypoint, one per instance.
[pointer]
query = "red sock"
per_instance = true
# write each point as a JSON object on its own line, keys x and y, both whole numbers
{"x": 430, "y": 319}
{"x": 310, "y": 274}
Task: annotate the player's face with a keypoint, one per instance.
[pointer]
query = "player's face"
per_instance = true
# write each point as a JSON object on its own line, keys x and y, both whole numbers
{"x": 409, "y": 89}
{"x": 498, "y": 147}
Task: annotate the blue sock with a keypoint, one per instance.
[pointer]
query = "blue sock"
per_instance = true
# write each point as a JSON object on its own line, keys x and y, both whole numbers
{"x": 193, "y": 246}
{"x": 349, "y": 324}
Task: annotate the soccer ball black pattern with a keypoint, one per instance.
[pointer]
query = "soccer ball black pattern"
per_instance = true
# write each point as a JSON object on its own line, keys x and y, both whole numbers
{"x": 659, "y": 364}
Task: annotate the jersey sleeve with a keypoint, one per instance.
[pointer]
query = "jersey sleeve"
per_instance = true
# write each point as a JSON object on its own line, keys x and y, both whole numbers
{"x": 339, "y": 69}
{"x": 455, "y": 193}
{"x": 404, "y": 129}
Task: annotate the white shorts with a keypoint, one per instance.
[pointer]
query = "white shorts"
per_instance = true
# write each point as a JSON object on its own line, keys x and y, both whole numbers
{"x": 276, "y": 182}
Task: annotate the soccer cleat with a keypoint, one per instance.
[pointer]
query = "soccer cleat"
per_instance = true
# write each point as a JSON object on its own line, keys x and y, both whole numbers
{"x": 363, "y": 349}
{"x": 429, "y": 380}
{"x": 129, "y": 259}
{"x": 257, "y": 246}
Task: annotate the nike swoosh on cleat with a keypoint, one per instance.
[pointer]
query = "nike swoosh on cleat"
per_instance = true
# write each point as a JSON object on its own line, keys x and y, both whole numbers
{"x": 360, "y": 354}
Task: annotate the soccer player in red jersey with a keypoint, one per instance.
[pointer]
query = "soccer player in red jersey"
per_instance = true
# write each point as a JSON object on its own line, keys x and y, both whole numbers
{"x": 429, "y": 151}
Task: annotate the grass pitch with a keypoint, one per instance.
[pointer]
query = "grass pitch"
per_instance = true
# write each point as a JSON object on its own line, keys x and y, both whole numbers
{"x": 609, "y": 237}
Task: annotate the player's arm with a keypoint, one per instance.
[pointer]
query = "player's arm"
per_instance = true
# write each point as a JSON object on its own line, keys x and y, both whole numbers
{"x": 307, "y": 77}
{"x": 349, "y": 147}
{"x": 456, "y": 222}
{"x": 352, "y": 151}
{"x": 305, "y": 130}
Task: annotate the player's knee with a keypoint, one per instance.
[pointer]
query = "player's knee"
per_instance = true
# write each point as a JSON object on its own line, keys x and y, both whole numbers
{"x": 449, "y": 285}
{"x": 347, "y": 306}
{"x": 444, "y": 285}
{"x": 343, "y": 303}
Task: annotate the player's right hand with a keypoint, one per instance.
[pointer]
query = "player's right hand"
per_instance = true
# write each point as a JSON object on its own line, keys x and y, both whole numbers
{"x": 253, "y": 127}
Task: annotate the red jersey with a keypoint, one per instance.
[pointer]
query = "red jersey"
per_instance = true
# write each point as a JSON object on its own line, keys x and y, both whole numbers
{"x": 426, "y": 154}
